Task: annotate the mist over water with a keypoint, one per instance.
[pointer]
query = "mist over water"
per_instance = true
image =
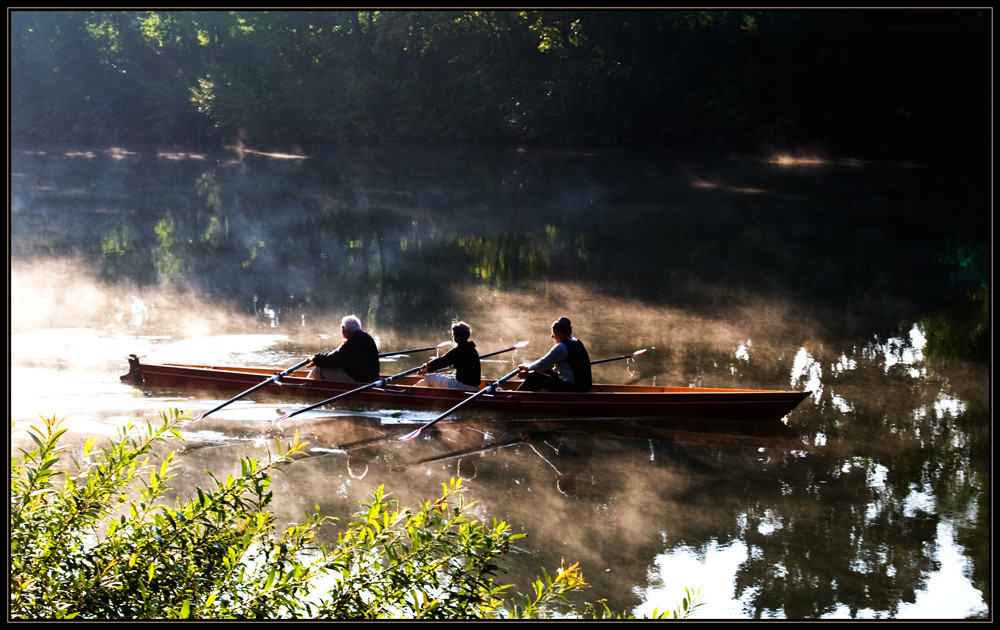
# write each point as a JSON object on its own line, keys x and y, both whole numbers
{"x": 826, "y": 273}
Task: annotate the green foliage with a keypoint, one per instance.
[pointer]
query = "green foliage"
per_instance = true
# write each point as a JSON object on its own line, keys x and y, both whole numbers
{"x": 962, "y": 328}
{"x": 564, "y": 76}
{"x": 103, "y": 544}
{"x": 98, "y": 540}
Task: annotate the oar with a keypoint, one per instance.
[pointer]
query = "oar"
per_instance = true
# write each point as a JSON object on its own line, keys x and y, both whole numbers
{"x": 399, "y": 352}
{"x": 277, "y": 377}
{"x": 378, "y": 383}
{"x": 624, "y": 356}
{"x": 381, "y": 382}
{"x": 492, "y": 387}
{"x": 489, "y": 388}
{"x": 516, "y": 346}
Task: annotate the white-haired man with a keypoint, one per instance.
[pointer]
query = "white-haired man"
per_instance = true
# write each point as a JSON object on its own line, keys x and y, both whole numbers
{"x": 356, "y": 360}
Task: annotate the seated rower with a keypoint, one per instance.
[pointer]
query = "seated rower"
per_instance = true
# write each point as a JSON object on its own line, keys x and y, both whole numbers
{"x": 355, "y": 361}
{"x": 463, "y": 357}
{"x": 566, "y": 368}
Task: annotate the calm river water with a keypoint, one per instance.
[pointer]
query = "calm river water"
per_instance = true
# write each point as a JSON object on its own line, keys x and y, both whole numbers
{"x": 864, "y": 282}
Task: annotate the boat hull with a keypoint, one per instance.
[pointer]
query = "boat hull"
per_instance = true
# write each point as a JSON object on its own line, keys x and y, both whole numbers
{"x": 612, "y": 401}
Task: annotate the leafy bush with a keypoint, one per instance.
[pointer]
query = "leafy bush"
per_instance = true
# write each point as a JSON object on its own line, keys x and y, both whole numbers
{"x": 101, "y": 542}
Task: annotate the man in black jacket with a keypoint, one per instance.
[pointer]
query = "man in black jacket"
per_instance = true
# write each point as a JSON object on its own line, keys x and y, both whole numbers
{"x": 463, "y": 357}
{"x": 356, "y": 360}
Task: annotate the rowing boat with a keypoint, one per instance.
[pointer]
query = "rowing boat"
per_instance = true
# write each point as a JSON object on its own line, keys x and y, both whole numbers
{"x": 604, "y": 401}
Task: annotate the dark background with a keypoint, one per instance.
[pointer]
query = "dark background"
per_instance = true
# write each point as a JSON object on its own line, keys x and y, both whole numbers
{"x": 888, "y": 82}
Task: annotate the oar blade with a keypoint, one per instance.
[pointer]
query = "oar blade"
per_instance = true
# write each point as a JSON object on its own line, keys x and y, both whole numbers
{"x": 516, "y": 346}
{"x": 192, "y": 420}
{"x": 489, "y": 388}
{"x": 624, "y": 356}
{"x": 411, "y": 435}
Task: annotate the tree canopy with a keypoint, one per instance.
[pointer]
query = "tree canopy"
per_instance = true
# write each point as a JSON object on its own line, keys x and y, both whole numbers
{"x": 885, "y": 80}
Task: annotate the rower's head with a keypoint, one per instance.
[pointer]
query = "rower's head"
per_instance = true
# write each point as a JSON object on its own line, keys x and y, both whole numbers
{"x": 350, "y": 325}
{"x": 461, "y": 332}
{"x": 562, "y": 329}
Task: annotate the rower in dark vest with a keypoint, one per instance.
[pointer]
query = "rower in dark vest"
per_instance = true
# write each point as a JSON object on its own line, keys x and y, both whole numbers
{"x": 566, "y": 367}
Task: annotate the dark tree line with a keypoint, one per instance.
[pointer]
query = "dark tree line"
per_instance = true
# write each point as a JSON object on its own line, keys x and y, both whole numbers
{"x": 883, "y": 80}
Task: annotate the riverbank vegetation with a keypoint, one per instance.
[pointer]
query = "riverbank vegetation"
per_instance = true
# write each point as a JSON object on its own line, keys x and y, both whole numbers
{"x": 888, "y": 81}
{"x": 98, "y": 539}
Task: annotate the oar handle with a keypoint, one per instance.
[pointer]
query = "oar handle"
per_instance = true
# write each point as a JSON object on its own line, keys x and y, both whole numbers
{"x": 489, "y": 388}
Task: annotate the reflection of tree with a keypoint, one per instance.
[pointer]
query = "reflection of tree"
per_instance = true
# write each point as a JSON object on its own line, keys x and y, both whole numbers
{"x": 844, "y": 543}
{"x": 393, "y": 232}
{"x": 859, "y": 526}
{"x": 961, "y": 467}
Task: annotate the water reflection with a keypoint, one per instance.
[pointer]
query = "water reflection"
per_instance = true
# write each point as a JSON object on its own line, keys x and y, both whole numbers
{"x": 526, "y": 471}
{"x": 842, "y": 280}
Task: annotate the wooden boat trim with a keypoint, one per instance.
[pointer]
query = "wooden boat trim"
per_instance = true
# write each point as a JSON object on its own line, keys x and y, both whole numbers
{"x": 604, "y": 401}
